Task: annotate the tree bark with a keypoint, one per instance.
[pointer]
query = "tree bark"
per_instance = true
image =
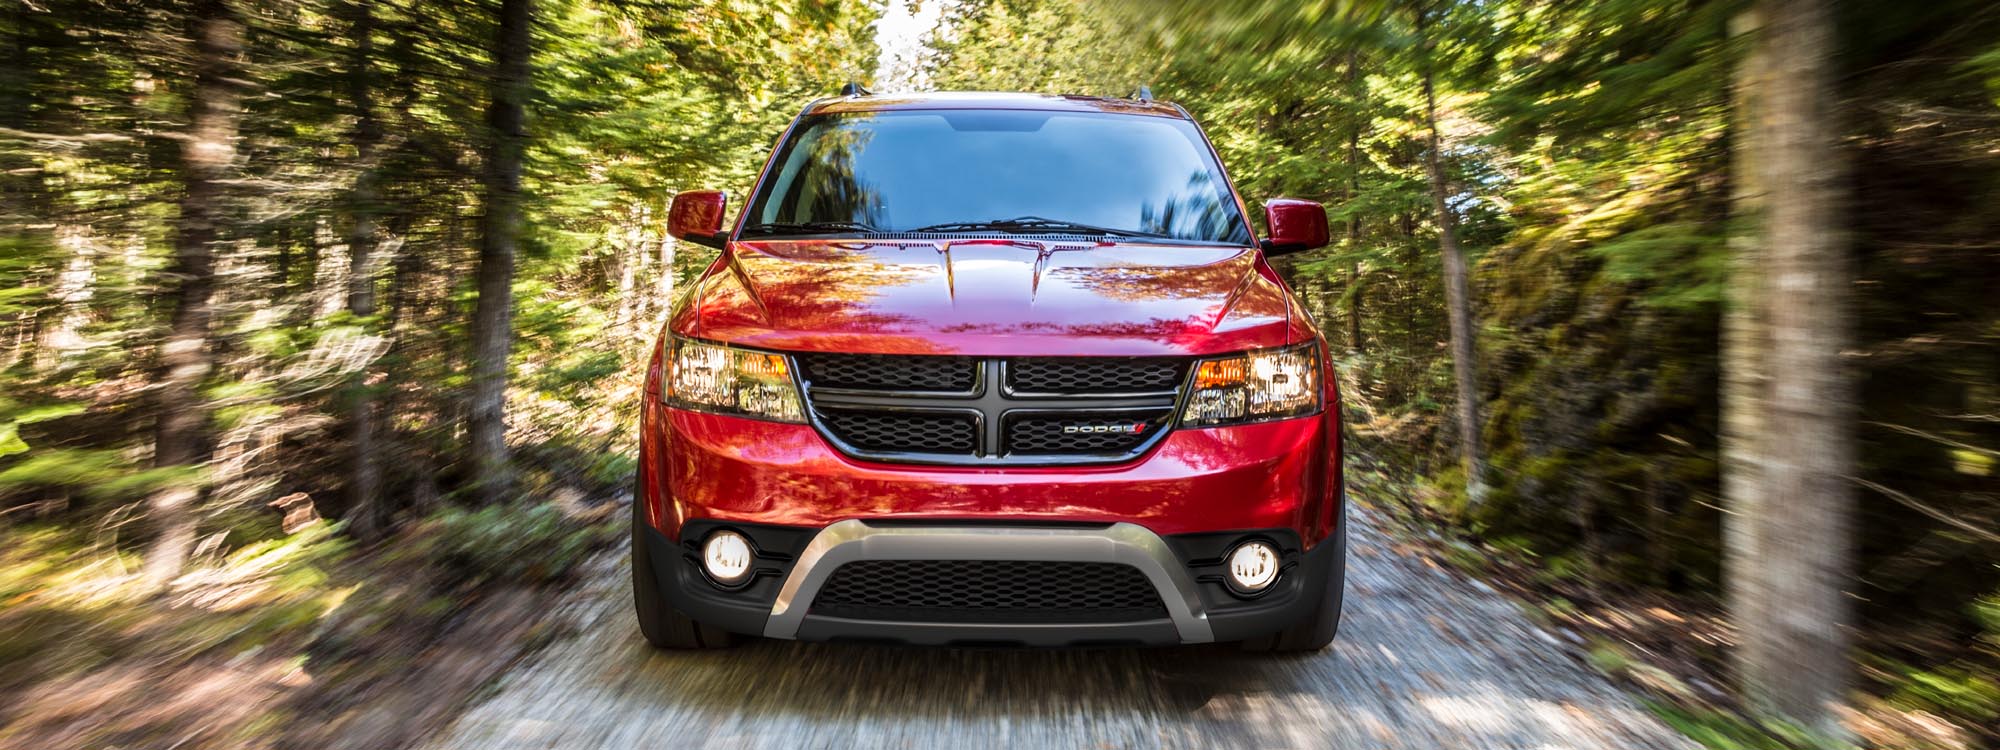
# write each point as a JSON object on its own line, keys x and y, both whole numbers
{"x": 182, "y": 432}
{"x": 1457, "y": 292}
{"x": 1744, "y": 342}
{"x": 1790, "y": 413}
{"x": 365, "y": 516}
{"x": 492, "y": 328}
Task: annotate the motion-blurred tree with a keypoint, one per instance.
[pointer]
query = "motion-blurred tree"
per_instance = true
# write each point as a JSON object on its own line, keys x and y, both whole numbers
{"x": 208, "y": 150}
{"x": 278, "y": 204}
{"x": 499, "y": 235}
{"x": 1791, "y": 402}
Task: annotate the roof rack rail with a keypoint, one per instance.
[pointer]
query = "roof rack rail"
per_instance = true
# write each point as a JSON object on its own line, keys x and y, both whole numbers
{"x": 1144, "y": 94}
{"x": 853, "y": 89}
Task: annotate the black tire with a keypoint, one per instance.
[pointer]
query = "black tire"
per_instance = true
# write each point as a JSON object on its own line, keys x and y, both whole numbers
{"x": 664, "y": 626}
{"x": 1319, "y": 630}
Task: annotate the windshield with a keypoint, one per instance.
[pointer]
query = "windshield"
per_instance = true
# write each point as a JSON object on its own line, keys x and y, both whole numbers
{"x": 1008, "y": 171}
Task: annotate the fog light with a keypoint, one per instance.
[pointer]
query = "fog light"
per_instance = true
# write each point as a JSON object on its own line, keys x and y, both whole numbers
{"x": 726, "y": 556}
{"x": 1253, "y": 566}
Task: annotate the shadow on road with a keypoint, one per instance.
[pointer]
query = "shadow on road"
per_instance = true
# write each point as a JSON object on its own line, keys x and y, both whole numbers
{"x": 918, "y": 682}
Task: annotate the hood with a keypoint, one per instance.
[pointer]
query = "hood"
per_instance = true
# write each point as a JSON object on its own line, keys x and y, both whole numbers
{"x": 991, "y": 297}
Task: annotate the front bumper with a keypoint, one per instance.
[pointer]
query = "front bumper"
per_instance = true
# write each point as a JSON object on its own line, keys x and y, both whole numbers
{"x": 1172, "y": 514}
{"x": 1281, "y": 474}
{"x": 794, "y": 564}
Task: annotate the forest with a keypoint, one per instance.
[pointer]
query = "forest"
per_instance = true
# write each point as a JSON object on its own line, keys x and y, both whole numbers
{"x": 322, "y": 321}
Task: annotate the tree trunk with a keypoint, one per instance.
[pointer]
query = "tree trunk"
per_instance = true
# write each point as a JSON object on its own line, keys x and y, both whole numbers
{"x": 630, "y": 257}
{"x": 70, "y": 296}
{"x": 1744, "y": 344}
{"x": 281, "y": 291}
{"x": 662, "y": 296}
{"x": 331, "y": 265}
{"x": 365, "y": 516}
{"x": 1790, "y": 415}
{"x": 492, "y": 328}
{"x": 182, "y": 432}
{"x": 308, "y": 293}
{"x": 1659, "y": 549}
{"x": 668, "y": 247}
{"x": 1457, "y": 293}
{"x": 1353, "y": 190}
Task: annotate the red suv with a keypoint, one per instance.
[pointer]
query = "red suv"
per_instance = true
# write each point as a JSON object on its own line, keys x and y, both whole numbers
{"x": 991, "y": 369}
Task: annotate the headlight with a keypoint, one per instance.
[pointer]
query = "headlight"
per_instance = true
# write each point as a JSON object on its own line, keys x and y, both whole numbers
{"x": 711, "y": 377}
{"x": 1260, "y": 385}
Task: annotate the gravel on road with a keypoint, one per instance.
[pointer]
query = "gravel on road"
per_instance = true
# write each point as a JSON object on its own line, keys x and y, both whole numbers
{"x": 1425, "y": 659}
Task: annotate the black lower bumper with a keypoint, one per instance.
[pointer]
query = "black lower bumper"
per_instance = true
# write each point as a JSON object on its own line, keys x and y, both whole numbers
{"x": 1305, "y": 582}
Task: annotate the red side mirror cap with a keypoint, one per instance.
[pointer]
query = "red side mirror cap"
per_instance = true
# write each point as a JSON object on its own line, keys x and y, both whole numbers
{"x": 1296, "y": 226}
{"x": 696, "y": 216}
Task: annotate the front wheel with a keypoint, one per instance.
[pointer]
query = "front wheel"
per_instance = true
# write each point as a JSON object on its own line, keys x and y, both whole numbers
{"x": 664, "y": 626}
{"x": 1317, "y": 631}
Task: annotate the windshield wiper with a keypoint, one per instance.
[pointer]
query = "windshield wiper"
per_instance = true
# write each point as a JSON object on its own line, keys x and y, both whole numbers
{"x": 1032, "y": 225}
{"x": 810, "y": 227}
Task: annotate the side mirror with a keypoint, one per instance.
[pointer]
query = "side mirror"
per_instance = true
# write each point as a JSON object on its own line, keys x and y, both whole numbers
{"x": 696, "y": 216}
{"x": 1296, "y": 226}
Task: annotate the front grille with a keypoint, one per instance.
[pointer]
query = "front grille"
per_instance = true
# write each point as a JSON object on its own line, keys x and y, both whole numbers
{"x": 988, "y": 591}
{"x": 904, "y": 433}
{"x": 1057, "y": 434}
{"x": 890, "y": 372}
{"x": 1092, "y": 374}
{"x": 992, "y": 410}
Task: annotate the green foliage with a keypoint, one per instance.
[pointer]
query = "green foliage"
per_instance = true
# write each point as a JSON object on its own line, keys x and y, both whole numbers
{"x": 74, "y": 605}
{"x": 1986, "y": 610}
{"x": 1684, "y": 264}
{"x": 100, "y": 473}
{"x": 11, "y": 423}
{"x": 1608, "y": 657}
{"x": 1718, "y": 730}
{"x": 631, "y": 102}
{"x": 524, "y": 544}
{"x": 1949, "y": 691}
{"x": 1035, "y": 46}
{"x": 614, "y": 469}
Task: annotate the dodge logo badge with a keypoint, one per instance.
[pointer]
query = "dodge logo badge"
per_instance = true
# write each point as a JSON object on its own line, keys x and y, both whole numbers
{"x": 1116, "y": 429}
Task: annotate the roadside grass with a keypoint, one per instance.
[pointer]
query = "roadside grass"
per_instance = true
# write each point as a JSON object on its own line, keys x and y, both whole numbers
{"x": 268, "y": 643}
{"x": 1726, "y": 730}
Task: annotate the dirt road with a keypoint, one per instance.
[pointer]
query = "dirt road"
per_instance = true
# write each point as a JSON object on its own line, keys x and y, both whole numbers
{"x": 1425, "y": 659}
